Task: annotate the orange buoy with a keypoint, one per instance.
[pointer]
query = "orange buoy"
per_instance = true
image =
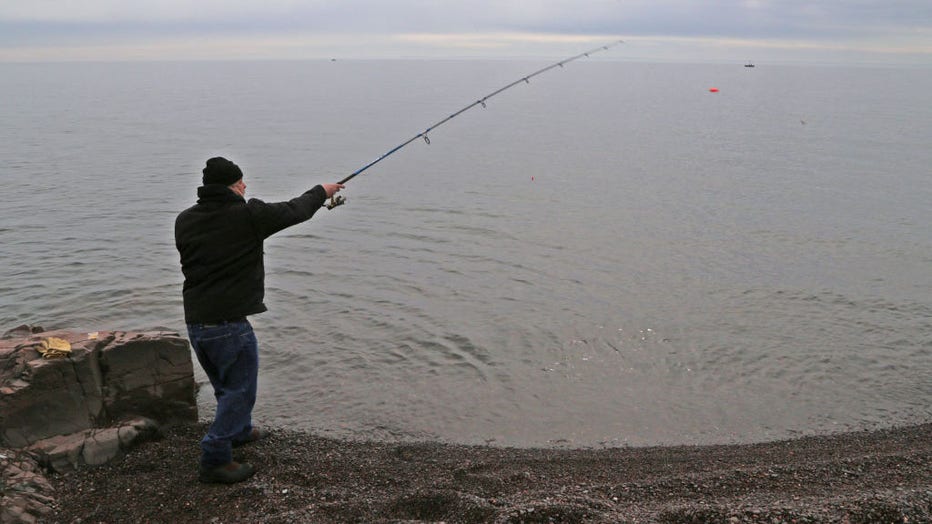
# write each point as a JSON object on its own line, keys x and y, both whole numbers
{"x": 713, "y": 90}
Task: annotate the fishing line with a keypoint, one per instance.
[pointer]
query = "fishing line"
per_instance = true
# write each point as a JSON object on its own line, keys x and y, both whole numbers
{"x": 339, "y": 200}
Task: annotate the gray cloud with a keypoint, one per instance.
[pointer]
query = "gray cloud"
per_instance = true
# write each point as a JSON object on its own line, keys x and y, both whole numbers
{"x": 736, "y": 17}
{"x": 97, "y": 22}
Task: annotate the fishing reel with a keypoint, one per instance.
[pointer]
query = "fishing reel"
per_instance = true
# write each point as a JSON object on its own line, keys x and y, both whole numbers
{"x": 336, "y": 200}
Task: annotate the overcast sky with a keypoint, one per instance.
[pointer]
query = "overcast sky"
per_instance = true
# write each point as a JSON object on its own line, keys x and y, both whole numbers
{"x": 809, "y": 31}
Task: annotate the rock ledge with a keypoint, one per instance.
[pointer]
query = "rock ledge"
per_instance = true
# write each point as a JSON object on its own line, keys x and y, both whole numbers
{"x": 101, "y": 394}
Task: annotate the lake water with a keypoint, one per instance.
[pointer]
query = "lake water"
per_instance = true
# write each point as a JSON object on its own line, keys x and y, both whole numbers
{"x": 612, "y": 255}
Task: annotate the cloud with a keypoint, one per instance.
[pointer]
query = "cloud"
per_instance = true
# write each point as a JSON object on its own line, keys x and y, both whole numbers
{"x": 628, "y": 16}
{"x": 427, "y": 27}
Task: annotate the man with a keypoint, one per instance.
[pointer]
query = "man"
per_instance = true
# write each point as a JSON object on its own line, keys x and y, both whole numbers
{"x": 220, "y": 242}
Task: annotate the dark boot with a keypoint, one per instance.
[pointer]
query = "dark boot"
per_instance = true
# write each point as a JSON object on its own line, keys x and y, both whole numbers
{"x": 227, "y": 474}
{"x": 256, "y": 434}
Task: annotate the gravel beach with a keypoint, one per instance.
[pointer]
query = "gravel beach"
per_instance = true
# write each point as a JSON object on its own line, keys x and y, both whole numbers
{"x": 875, "y": 476}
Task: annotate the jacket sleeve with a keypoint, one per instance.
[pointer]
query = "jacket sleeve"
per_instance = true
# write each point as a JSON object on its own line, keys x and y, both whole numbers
{"x": 270, "y": 218}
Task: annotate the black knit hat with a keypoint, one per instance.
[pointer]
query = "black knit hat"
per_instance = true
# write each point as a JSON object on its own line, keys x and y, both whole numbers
{"x": 219, "y": 170}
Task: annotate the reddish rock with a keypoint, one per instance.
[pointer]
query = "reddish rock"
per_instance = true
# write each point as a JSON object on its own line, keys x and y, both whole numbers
{"x": 108, "y": 377}
{"x": 148, "y": 374}
{"x": 84, "y": 408}
{"x": 26, "y": 495}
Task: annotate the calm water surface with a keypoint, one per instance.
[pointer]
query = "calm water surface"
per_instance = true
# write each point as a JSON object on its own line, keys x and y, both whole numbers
{"x": 611, "y": 255}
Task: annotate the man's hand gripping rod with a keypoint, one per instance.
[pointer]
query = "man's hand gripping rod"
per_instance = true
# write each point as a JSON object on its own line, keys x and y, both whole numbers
{"x": 338, "y": 200}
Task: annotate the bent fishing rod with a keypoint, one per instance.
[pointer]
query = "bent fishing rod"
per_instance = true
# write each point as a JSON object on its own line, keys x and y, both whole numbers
{"x": 340, "y": 200}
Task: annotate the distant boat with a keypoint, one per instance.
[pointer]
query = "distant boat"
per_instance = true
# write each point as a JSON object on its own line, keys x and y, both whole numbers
{"x": 749, "y": 64}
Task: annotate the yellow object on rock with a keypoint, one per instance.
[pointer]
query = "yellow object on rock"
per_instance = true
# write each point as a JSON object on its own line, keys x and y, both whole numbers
{"x": 53, "y": 347}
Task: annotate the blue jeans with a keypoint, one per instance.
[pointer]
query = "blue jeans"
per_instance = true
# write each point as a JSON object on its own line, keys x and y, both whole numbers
{"x": 229, "y": 354}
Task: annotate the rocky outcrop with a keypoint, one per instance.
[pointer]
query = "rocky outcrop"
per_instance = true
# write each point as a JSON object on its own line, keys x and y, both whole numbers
{"x": 71, "y": 399}
{"x": 108, "y": 377}
{"x": 25, "y": 493}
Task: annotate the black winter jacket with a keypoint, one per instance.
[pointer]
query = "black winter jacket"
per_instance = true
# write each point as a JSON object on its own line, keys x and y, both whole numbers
{"x": 220, "y": 242}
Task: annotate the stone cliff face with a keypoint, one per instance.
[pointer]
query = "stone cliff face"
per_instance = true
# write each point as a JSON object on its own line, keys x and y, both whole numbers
{"x": 96, "y": 397}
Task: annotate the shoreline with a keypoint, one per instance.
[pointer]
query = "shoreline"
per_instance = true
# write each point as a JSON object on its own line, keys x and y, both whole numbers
{"x": 867, "y": 476}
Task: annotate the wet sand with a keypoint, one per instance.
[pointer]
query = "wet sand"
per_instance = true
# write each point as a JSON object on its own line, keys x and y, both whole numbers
{"x": 876, "y": 476}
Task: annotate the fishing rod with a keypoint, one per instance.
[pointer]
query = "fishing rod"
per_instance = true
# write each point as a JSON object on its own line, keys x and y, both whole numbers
{"x": 340, "y": 200}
